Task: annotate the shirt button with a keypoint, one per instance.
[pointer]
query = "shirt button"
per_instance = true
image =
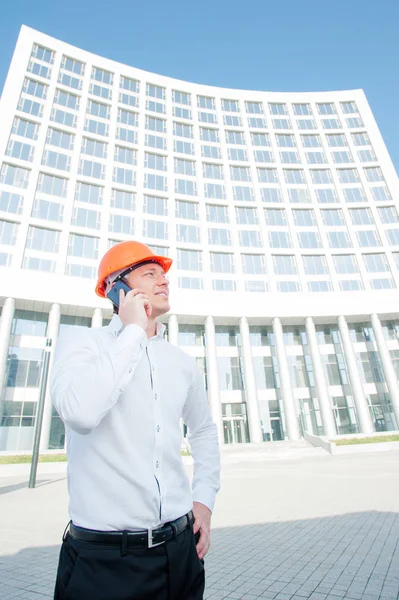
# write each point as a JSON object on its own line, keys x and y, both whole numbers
{"x": 157, "y": 464}
{"x": 156, "y": 397}
{"x": 130, "y": 370}
{"x": 153, "y": 368}
{"x": 158, "y": 428}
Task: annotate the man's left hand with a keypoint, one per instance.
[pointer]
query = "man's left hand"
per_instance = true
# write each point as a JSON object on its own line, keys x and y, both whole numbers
{"x": 202, "y": 523}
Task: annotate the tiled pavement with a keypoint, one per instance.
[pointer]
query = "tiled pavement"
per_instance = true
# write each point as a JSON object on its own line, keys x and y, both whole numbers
{"x": 317, "y": 528}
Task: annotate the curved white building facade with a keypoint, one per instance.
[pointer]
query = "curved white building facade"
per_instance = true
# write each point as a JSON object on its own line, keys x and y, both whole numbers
{"x": 278, "y": 209}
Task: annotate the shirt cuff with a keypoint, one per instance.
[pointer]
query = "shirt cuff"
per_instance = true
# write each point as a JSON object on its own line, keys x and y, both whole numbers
{"x": 206, "y": 497}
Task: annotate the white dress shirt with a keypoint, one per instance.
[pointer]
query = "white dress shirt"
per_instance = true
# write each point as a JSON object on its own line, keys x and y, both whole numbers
{"x": 121, "y": 397}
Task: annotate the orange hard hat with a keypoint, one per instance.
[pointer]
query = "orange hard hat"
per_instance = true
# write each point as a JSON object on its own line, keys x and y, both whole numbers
{"x": 123, "y": 256}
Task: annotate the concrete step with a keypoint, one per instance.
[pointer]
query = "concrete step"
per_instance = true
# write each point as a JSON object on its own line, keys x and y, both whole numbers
{"x": 269, "y": 451}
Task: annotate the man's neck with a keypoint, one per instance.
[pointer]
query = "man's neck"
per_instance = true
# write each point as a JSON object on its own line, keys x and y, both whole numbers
{"x": 151, "y": 328}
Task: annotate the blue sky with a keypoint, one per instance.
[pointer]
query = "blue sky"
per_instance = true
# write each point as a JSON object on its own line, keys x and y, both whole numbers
{"x": 282, "y": 45}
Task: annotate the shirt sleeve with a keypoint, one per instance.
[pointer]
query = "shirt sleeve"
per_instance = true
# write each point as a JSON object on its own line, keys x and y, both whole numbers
{"x": 88, "y": 377}
{"x": 203, "y": 439}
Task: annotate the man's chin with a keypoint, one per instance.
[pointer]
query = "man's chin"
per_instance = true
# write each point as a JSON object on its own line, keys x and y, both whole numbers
{"x": 161, "y": 307}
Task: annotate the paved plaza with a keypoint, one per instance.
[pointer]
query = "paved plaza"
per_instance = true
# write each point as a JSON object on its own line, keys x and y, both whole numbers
{"x": 309, "y": 527}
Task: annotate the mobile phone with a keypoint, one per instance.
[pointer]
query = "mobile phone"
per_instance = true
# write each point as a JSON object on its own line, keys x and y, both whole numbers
{"x": 113, "y": 293}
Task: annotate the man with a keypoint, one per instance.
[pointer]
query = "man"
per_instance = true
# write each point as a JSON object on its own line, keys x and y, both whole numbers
{"x": 137, "y": 530}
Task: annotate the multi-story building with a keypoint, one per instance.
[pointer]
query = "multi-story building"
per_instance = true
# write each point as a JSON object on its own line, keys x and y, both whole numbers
{"x": 279, "y": 210}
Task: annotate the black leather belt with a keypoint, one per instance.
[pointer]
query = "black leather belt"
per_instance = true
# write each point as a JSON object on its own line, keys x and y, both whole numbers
{"x": 143, "y": 538}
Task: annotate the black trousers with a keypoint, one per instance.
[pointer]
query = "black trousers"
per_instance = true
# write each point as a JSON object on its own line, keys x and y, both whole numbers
{"x": 88, "y": 571}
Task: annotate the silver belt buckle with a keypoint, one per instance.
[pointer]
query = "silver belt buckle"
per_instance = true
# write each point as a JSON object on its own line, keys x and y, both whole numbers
{"x": 150, "y": 541}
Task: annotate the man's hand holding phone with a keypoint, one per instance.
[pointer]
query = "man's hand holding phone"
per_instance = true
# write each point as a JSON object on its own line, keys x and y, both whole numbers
{"x": 134, "y": 308}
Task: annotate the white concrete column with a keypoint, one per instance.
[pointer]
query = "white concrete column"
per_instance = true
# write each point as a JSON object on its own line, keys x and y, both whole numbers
{"x": 52, "y": 333}
{"x": 173, "y": 338}
{"x": 255, "y": 430}
{"x": 7, "y": 316}
{"x": 362, "y": 409}
{"x": 291, "y": 419}
{"x": 389, "y": 371}
{"x": 323, "y": 396}
{"x": 173, "y": 330}
{"x": 213, "y": 376}
{"x": 97, "y": 318}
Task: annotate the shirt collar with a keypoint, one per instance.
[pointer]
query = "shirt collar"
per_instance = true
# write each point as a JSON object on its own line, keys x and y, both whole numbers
{"x": 116, "y": 326}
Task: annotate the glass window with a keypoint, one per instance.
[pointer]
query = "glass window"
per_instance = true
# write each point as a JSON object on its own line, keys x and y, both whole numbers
{"x": 157, "y": 162}
{"x": 182, "y": 130}
{"x": 361, "y": 216}
{"x": 290, "y": 157}
{"x": 15, "y": 176}
{"x": 264, "y": 156}
{"x": 306, "y": 124}
{"x": 8, "y": 233}
{"x": 185, "y": 186}
{"x": 123, "y": 200}
{"x": 212, "y": 171}
{"x": 270, "y": 195}
{"x": 91, "y": 168}
{"x": 294, "y": 176}
{"x": 288, "y": 286}
{"x": 331, "y": 124}
{"x": 278, "y": 108}
{"x": 254, "y": 107}
{"x": 333, "y": 217}
{"x": 348, "y": 175}
{"x": 20, "y": 150}
{"x": 128, "y": 99}
{"x": 183, "y": 147}
{"x": 158, "y": 107}
{"x": 376, "y": 263}
{"x": 154, "y": 205}
{"x": 345, "y": 263}
{"x": 45, "y": 240}
{"x": 187, "y": 210}
{"x": 205, "y": 102}
{"x": 204, "y": 117}
{"x": 309, "y": 239}
{"x": 302, "y": 109}
{"x": 231, "y": 105}
{"x": 267, "y": 175}
{"x": 25, "y": 128}
{"x": 249, "y": 238}
{"x": 60, "y": 139}
{"x": 298, "y": 195}
{"x": 311, "y": 141}
{"x": 189, "y": 260}
{"x": 368, "y": 238}
{"x": 232, "y": 121}
{"x": 132, "y": 85}
{"x": 240, "y": 173}
{"x": 326, "y": 195}
{"x": 209, "y": 135}
{"x": 253, "y": 264}
{"x": 52, "y": 185}
{"x": 282, "y": 124}
{"x": 243, "y": 193}
{"x": 257, "y": 123}
{"x": 221, "y": 262}
{"x": 217, "y": 214}
{"x": 304, "y": 218}
{"x": 348, "y": 107}
{"x": 381, "y": 193}
{"x": 83, "y": 246}
{"x": 238, "y": 154}
{"x": 339, "y": 239}
{"x": 373, "y": 174}
{"x": 284, "y": 265}
{"x": 187, "y": 233}
{"x": 84, "y": 217}
{"x": 393, "y": 236}
{"x": 87, "y": 192}
{"x": 34, "y": 88}
{"x": 153, "y": 181}
{"x": 211, "y": 152}
{"x": 214, "y": 190}
{"x": 11, "y": 203}
{"x": 125, "y": 155}
{"x": 342, "y": 157}
{"x": 30, "y": 107}
{"x": 190, "y": 283}
{"x": 223, "y": 285}
{"x": 99, "y": 128}
{"x": 121, "y": 224}
{"x": 219, "y": 237}
{"x": 260, "y": 139}
{"x": 181, "y": 97}
{"x": 155, "y": 229}
{"x": 275, "y": 216}
{"x": 279, "y": 239}
{"x": 155, "y": 91}
{"x": 247, "y": 216}
{"x": 315, "y": 265}
{"x": 191, "y": 335}
{"x": 235, "y": 137}
{"x": 355, "y": 194}
{"x": 56, "y": 160}
{"x": 388, "y": 214}
{"x": 351, "y": 285}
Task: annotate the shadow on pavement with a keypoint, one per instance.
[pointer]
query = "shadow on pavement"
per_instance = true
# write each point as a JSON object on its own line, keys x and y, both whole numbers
{"x": 24, "y": 484}
{"x": 351, "y": 556}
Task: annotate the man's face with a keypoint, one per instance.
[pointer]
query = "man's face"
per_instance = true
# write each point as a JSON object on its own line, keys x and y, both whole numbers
{"x": 151, "y": 280}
